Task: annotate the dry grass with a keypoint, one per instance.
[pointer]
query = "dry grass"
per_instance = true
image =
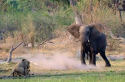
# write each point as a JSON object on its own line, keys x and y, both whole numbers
{"x": 63, "y": 42}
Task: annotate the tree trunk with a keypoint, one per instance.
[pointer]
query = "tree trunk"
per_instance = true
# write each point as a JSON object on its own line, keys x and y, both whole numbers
{"x": 32, "y": 42}
{"x": 78, "y": 18}
{"x": 10, "y": 55}
{"x": 91, "y": 9}
{"x": 11, "y": 52}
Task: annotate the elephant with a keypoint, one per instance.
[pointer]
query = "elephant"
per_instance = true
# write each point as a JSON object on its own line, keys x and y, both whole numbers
{"x": 22, "y": 68}
{"x": 93, "y": 35}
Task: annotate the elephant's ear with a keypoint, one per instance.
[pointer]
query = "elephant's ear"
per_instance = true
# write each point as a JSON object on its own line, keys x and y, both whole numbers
{"x": 74, "y": 30}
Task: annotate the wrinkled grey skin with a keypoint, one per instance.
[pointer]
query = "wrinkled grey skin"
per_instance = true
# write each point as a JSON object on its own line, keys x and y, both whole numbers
{"x": 22, "y": 69}
{"x": 97, "y": 41}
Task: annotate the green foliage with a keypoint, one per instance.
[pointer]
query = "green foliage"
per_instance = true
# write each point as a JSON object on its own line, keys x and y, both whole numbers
{"x": 43, "y": 20}
{"x": 86, "y": 77}
{"x": 48, "y": 15}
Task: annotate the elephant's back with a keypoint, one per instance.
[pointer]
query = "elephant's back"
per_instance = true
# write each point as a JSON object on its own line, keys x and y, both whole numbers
{"x": 101, "y": 41}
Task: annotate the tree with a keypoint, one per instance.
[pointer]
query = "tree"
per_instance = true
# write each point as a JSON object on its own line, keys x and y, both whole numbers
{"x": 11, "y": 52}
{"x": 78, "y": 18}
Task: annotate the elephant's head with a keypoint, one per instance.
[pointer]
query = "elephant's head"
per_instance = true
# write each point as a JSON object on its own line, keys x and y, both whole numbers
{"x": 86, "y": 32}
{"x": 90, "y": 32}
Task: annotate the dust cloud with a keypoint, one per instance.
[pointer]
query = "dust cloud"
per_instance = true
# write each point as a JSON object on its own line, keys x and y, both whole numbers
{"x": 58, "y": 61}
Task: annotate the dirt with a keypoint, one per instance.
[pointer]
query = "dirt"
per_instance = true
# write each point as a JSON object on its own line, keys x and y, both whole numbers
{"x": 62, "y": 53}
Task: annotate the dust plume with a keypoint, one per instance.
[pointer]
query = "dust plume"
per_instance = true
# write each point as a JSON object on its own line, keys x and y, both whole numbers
{"x": 58, "y": 61}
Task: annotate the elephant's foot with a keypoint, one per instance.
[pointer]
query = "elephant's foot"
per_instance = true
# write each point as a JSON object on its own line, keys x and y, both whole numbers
{"x": 83, "y": 62}
{"x": 108, "y": 65}
{"x": 91, "y": 63}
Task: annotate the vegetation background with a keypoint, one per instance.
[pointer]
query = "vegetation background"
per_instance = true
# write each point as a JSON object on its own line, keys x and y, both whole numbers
{"x": 36, "y": 20}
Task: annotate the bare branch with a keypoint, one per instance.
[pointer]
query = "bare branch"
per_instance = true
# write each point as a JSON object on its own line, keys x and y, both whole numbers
{"x": 11, "y": 51}
{"x": 43, "y": 42}
{"x": 18, "y": 45}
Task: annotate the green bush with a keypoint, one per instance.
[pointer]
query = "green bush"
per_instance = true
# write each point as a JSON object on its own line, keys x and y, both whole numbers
{"x": 48, "y": 15}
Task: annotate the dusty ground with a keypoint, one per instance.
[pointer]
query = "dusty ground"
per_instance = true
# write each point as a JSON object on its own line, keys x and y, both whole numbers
{"x": 61, "y": 55}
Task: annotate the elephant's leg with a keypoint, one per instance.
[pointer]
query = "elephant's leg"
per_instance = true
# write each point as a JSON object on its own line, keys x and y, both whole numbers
{"x": 83, "y": 58}
{"x": 82, "y": 55}
{"x": 90, "y": 58}
{"x": 93, "y": 59}
{"x": 93, "y": 50}
{"x": 105, "y": 59}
